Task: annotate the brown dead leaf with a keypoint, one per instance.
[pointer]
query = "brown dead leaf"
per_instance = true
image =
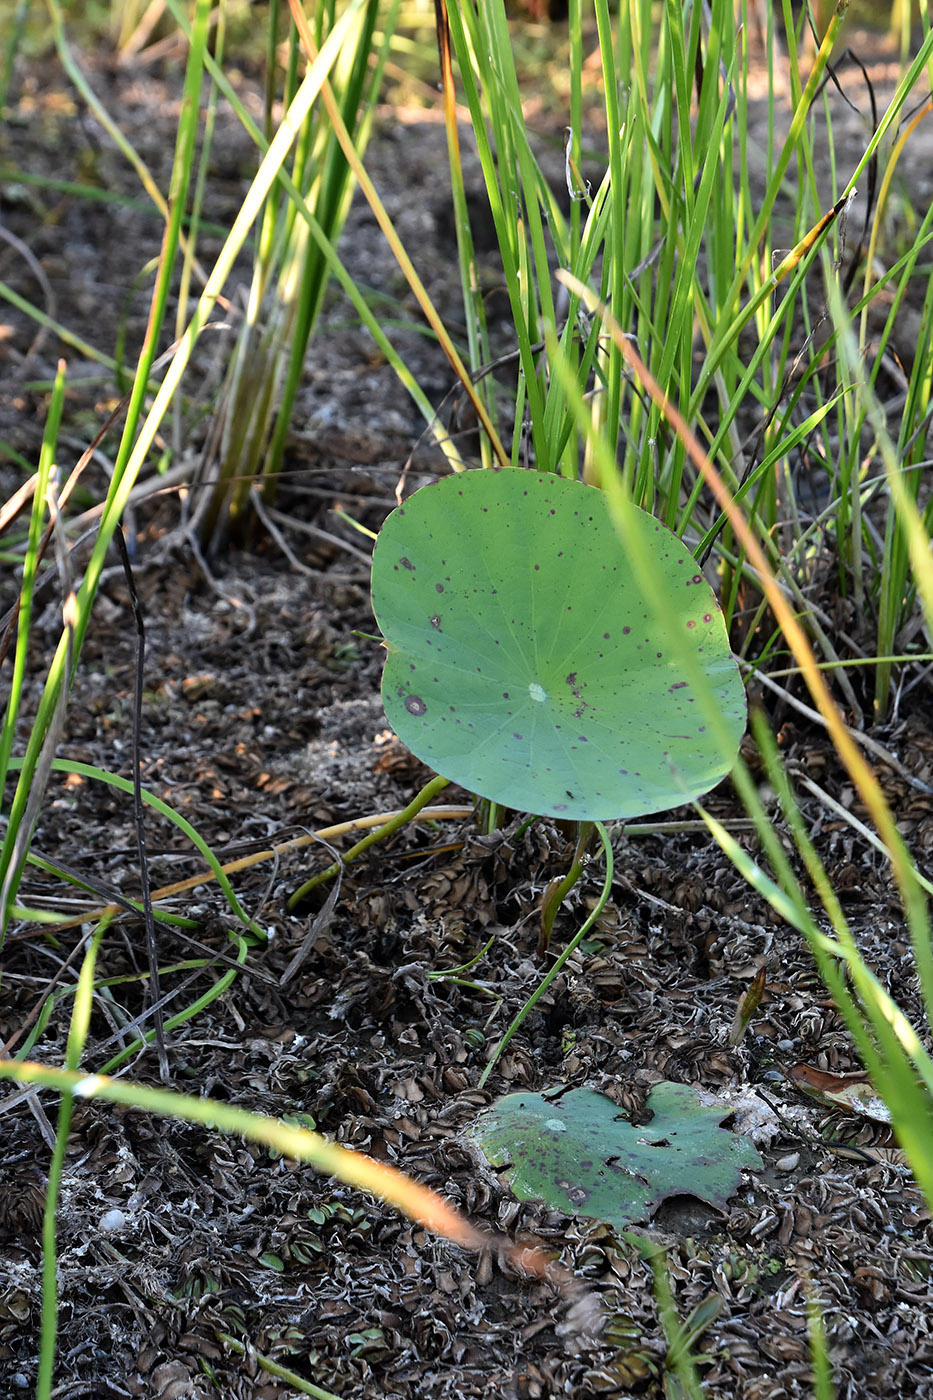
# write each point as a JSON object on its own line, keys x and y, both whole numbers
{"x": 854, "y": 1093}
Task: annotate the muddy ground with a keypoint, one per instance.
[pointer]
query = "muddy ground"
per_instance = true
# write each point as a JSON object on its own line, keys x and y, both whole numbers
{"x": 189, "y": 1261}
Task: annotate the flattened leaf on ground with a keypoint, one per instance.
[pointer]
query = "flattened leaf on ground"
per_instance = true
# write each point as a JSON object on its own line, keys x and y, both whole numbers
{"x": 578, "y": 1153}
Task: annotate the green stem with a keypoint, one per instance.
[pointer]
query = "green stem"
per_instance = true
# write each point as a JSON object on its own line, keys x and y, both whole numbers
{"x": 556, "y": 893}
{"x": 77, "y": 1037}
{"x": 272, "y": 1368}
{"x": 401, "y": 819}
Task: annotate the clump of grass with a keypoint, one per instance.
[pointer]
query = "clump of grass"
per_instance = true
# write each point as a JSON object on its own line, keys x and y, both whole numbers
{"x": 291, "y": 271}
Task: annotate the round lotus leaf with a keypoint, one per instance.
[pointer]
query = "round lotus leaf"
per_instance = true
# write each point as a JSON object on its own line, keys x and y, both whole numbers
{"x": 524, "y": 660}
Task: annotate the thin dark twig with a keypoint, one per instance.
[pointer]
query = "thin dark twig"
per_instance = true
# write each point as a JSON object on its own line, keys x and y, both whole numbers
{"x": 135, "y": 1026}
{"x": 138, "y": 809}
{"x": 872, "y": 191}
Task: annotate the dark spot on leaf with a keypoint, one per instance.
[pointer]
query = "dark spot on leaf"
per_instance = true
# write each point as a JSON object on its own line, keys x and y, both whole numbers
{"x": 436, "y": 623}
{"x": 626, "y": 631}
{"x": 439, "y": 587}
{"x": 415, "y": 705}
{"x": 407, "y": 564}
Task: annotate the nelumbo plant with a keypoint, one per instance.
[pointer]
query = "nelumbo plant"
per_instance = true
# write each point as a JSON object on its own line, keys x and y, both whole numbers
{"x": 539, "y": 663}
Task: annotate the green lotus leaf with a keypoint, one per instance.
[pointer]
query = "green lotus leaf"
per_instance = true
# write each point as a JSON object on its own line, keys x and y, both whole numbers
{"x": 524, "y": 660}
{"x": 579, "y": 1154}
